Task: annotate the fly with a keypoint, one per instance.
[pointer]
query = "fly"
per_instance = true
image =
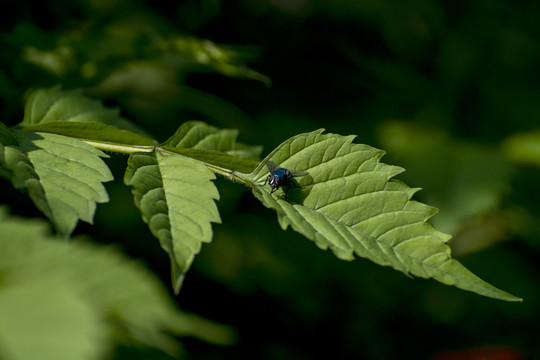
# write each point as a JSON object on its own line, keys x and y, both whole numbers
{"x": 281, "y": 177}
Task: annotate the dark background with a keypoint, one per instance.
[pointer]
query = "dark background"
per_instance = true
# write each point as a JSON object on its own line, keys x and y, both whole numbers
{"x": 441, "y": 86}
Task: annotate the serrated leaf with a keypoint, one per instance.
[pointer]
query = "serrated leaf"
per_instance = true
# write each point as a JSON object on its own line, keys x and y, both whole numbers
{"x": 350, "y": 204}
{"x": 54, "y": 105}
{"x": 63, "y": 176}
{"x": 66, "y": 300}
{"x": 201, "y": 136}
{"x": 214, "y": 146}
{"x": 175, "y": 195}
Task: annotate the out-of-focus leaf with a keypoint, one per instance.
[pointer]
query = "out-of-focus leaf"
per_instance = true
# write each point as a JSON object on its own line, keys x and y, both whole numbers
{"x": 350, "y": 204}
{"x": 207, "y": 53}
{"x": 175, "y": 195}
{"x": 60, "y": 61}
{"x": 97, "y": 51}
{"x": 60, "y": 325}
{"x": 61, "y": 300}
{"x": 523, "y": 148}
{"x": 464, "y": 180}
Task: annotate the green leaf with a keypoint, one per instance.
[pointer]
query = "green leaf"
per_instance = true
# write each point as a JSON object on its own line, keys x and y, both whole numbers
{"x": 63, "y": 176}
{"x": 350, "y": 204}
{"x": 53, "y": 105}
{"x": 61, "y": 325}
{"x": 97, "y": 132}
{"x": 207, "y": 53}
{"x": 201, "y": 136}
{"x": 175, "y": 195}
{"x": 214, "y": 146}
{"x": 73, "y": 300}
{"x": 216, "y": 158}
{"x": 523, "y": 148}
{"x": 465, "y": 180}
{"x": 60, "y": 61}
{"x": 6, "y": 136}
{"x": 7, "y": 141}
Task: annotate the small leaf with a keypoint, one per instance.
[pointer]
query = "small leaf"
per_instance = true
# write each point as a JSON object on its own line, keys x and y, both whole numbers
{"x": 214, "y": 146}
{"x": 350, "y": 204}
{"x": 201, "y": 136}
{"x": 206, "y": 53}
{"x": 175, "y": 195}
{"x": 53, "y": 105}
{"x": 60, "y": 61}
{"x": 62, "y": 175}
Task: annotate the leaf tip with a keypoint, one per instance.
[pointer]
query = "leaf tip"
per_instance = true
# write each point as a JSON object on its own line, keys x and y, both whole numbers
{"x": 178, "y": 280}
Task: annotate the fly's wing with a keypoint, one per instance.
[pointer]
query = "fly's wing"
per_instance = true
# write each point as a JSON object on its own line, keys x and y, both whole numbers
{"x": 272, "y": 166}
{"x": 298, "y": 173}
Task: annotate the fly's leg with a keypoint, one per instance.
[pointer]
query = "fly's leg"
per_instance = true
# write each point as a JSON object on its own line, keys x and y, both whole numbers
{"x": 285, "y": 191}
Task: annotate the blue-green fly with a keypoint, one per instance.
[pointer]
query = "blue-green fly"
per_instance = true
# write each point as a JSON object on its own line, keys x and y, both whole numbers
{"x": 281, "y": 177}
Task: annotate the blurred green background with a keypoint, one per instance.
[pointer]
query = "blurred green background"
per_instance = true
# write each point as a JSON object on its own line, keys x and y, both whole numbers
{"x": 450, "y": 89}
